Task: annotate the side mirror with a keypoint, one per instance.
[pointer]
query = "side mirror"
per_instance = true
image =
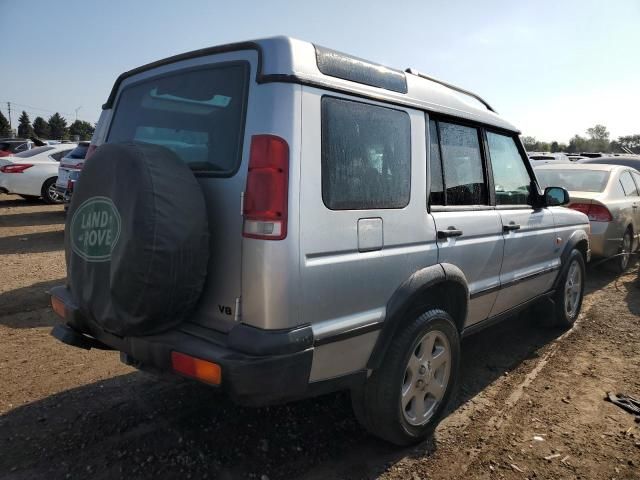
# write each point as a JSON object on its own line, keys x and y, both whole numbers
{"x": 555, "y": 196}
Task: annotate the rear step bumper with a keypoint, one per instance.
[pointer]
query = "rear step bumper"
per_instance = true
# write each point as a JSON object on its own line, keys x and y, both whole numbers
{"x": 259, "y": 367}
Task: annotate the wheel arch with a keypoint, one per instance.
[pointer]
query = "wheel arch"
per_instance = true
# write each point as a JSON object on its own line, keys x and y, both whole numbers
{"x": 579, "y": 240}
{"x": 438, "y": 286}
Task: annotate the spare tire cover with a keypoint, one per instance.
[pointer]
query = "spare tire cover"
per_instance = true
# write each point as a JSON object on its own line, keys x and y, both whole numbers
{"x": 137, "y": 239}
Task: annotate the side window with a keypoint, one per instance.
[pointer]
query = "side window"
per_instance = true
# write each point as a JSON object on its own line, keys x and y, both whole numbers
{"x": 462, "y": 164}
{"x": 627, "y": 185}
{"x": 366, "y": 156}
{"x": 510, "y": 176}
{"x": 636, "y": 177}
{"x": 435, "y": 166}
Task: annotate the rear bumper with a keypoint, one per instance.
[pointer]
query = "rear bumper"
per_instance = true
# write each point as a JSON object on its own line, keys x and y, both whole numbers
{"x": 259, "y": 367}
{"x": 605, "y": 239}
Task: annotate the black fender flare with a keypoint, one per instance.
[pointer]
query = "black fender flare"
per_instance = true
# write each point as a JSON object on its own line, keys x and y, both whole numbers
{"x": 575, "y": 238}
{"x": 417, "y": 286}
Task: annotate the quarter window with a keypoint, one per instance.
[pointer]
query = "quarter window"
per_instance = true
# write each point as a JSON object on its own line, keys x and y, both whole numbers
{"x": 366, "y": 156}
{"x": 462, "y": 164}
{"x": 510, "y": 176}
{"x": 627, "y": 185}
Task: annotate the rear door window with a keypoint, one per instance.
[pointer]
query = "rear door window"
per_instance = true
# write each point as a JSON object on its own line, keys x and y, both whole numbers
{"x": 628, "y": 186}
{"x": 366, "y": 156}
{"x": 198, "y": 114}
{"x": 464, "y": 178}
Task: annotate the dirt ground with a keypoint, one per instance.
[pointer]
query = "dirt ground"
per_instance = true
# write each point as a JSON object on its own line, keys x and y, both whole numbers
{"x": 530, "y": 405}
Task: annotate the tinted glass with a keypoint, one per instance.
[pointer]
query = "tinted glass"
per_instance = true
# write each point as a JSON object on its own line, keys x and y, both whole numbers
{"x": 576, "y": 180}
{"x": 58, "y": 155}
{"x": 366, "y": 156}
{"x": 435, "y": 165}
{"x": 462, "y": 163}
{"x": 510, "y": 176}
{"x": 34, "y": 151}
{"x": 79, "y": 152}
{"x": 198, "y": 114}
{"x": 627, "y": 185}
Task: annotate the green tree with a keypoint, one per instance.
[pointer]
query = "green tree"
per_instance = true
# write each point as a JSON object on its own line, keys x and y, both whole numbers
{"x": 555, "y": 147}
{"x": 58, "y": 127}
{"x": 41, "y": 128}
{"x": 529, "y": 142}
{"x": 25, "y": 129}
{"x": 598, "y": 138}
{"x": 5, "y": 130}
{"x": 81, "y": 128}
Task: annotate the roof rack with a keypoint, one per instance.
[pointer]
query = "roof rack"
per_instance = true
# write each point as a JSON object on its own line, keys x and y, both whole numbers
{"x": 413, "y": 71}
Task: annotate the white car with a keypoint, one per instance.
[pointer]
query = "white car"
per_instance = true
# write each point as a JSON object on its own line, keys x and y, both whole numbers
{"x": 72, "y": 162}
{"x": 33, "y": 174}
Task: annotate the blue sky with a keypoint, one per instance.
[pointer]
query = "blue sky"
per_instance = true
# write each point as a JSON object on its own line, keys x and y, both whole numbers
{"x": 554, "y": 68}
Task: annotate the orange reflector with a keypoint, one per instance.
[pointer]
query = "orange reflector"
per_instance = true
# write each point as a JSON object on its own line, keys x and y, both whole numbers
{"x": 202, "y": 370}
{"x": 58, "y": 306}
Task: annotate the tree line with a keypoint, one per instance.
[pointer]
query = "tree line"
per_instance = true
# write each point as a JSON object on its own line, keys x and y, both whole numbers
{"x": 597, "y": 140}
{"x": 55, "y": 128}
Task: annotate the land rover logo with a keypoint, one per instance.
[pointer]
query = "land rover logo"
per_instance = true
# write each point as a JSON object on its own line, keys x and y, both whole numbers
{"x": 95, "y": 228}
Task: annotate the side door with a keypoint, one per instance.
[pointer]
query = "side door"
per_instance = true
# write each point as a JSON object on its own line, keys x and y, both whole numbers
{"x": 632, "y": 192}
{"x": 531, "y": 251}
{"x": 468, "y": 227}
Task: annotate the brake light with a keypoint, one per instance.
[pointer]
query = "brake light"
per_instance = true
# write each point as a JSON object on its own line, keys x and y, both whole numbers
{"x": 595, "y": 212}
{"x": 266, "y": 195}
{"x": 69, "y": 185}
{"x": 193, "y": 367}
{"x": 15, "y": 167}
{"x": 90, "y": 151}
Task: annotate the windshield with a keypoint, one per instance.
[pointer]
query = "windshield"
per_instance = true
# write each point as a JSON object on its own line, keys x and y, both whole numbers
{"x": 198, "y": 114}
{"x": 33, "y": 151}
{"x": 576, "y": 180}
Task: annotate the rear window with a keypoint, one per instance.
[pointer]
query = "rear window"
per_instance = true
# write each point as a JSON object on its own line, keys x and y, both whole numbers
{"x": 576, "y": 180}
{"x": 79, "y": 152}
{"x": 198, "y": 114}
{"x": 366, "y": 156}
{"x": 33, "y": 152}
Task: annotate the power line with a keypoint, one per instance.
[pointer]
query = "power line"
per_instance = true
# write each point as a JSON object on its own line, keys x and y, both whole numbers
{"x": 31, "y": 109}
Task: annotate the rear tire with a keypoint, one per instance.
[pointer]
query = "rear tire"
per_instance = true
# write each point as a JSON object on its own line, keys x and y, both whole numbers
{"x": 403, "y": 401}
{"x": 570, "y": 292}
{"x": 623, "y": 261}
{"x": 49, "y": 193}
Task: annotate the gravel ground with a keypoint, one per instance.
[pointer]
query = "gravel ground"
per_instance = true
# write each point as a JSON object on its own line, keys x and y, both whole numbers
{"x": 531, "y": 400}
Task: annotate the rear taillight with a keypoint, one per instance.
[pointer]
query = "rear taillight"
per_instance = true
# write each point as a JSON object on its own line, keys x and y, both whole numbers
{"x": 266, "y": 195}
{"x": 90, "y": 151}
{"x": 69, "y": 185}
{"x": 15, "y": 167}
{"x": 595, "y": 212}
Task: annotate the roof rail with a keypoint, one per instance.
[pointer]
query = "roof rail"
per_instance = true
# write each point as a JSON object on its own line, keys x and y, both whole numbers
{"x": 413, "y": 71}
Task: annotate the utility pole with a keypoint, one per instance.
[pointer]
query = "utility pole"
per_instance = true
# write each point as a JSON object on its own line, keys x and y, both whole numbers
{"x": 77, "y": 112}
{"x": 9, "y": 108}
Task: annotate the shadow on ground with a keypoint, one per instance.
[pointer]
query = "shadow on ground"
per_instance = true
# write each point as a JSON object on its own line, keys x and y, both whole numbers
{"x": 32, "y": 242}
{"x": 135, "y": 426}
{"x": 26, "y": 299}
{"x": 28, "y": 219}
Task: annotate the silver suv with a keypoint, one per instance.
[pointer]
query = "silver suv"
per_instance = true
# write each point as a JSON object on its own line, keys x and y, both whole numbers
{"x": 281, "y": 220}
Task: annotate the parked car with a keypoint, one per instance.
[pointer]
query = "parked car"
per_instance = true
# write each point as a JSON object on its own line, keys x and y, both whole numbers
{"x": 32, "y": 174}
{"x": 71, "y": 162}
{"x": 544, "y": 158}
{"x": 608, "y": 195}
{"x": 280, "y": 229}
{"x": 631, "y": 161}
{"x": 12, "y": 146}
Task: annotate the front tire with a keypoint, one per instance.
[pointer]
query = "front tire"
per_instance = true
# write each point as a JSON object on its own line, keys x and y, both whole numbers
{"x": 404, "y": 400}
{"x": 570, "y": 292}
{"x": 49, "y": 192}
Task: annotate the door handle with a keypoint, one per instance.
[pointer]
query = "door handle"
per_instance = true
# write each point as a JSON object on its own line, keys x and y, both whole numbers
{"x": 449, "y": 232}
{"x": 511, "y": 227}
